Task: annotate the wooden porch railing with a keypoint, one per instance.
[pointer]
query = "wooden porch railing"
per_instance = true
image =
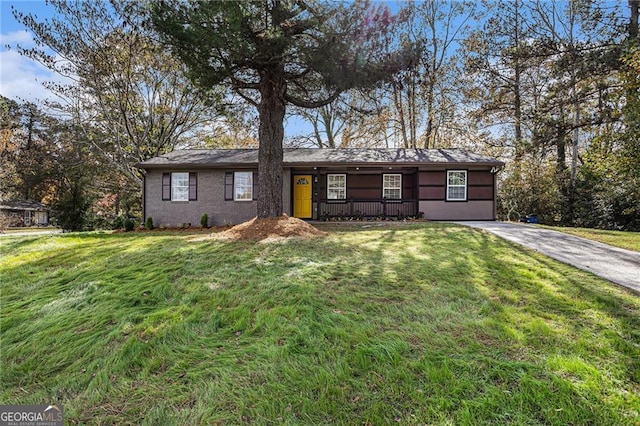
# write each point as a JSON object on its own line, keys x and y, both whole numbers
{"x": 357, "y": 208}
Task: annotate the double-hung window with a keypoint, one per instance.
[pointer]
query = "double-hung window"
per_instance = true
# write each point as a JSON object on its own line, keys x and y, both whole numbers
{"x": 240, "y": 186}
{"x": 179, "y": 186}
{"x": 456, "y": 185}
{"x": 336, "y": 187}
{"x": 243, "y": 186}
{"x": 392, "y": 186}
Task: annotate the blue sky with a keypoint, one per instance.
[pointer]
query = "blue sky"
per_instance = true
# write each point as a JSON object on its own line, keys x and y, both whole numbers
{"x": 20, "y": 78}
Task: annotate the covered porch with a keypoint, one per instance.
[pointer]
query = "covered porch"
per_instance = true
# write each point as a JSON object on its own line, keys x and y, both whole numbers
{"x": 355, "y": 193}
{"x": 360, "y": 209}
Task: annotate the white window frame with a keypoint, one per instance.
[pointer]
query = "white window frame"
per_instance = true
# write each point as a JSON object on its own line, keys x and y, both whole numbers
{"x": 386, "y": 187}
{"x": 450, "y": 186}
{"x": 332, "y": 186}
{"x": 242, "y": 186}
{"x": 180, "y": 192}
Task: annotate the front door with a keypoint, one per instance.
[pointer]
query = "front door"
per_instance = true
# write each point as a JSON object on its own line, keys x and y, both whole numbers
{"x": 302, "y": 196}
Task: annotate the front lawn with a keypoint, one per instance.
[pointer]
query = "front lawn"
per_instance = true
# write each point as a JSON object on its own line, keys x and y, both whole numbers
{"x": 416, "y": 324}
{"x": 622, "y": 239}
{"x": 30, "y": 229}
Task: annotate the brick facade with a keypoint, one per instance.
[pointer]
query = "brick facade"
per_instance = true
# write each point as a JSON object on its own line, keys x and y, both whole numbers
{"x": 210, "y": 200}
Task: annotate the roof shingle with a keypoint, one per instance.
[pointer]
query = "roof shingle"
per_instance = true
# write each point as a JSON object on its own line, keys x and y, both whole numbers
{"x": 317, "y": 157}
{"x": 22, "y": 205}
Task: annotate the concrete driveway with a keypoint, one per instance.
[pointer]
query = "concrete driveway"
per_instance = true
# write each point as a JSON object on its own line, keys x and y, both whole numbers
{"x": 614, "y": 264}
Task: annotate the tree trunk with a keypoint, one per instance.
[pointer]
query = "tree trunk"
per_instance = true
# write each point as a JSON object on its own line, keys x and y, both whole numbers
{"x": 398, "y": 101}
{"x": 271, "y": 134}
{"x": 428, "y": 134}
{"x": 327, "y": 119}
{"x": 517, "y": 87}
{"x": 576, "y": 130}
{"x": 633, "y": 23}
{"x": 413, "y": 115}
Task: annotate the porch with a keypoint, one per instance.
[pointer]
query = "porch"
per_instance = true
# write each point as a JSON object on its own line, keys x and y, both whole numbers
{"x": 358, "y": 208}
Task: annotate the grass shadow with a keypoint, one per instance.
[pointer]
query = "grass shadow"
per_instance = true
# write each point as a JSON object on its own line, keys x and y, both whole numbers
{"x": 420, "y": 324}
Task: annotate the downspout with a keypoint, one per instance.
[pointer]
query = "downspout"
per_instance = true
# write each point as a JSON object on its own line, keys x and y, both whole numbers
{"x": 144, "y": 196}
{"x": 495, "y": 170}
{"x": 315, "y": 185}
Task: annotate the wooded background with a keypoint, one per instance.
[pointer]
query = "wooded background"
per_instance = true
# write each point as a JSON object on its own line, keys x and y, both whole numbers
{"x": 551, "y": 87}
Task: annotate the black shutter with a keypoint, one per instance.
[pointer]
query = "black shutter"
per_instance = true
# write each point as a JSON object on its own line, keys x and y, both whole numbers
{"x": 166, "y": 186}
{"x": 228, "y": 186}
{"x": 255, "y": 185}
{"x": 193, "y": 186}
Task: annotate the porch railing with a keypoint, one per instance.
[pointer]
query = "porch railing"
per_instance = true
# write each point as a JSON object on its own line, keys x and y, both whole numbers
{"x": 358, "y": 208}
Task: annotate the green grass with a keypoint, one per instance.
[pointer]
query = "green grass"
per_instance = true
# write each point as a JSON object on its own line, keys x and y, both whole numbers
{"x": 622, "y": 239}
{"x": 31, "y": 229}
{"x": 420, "y": 324}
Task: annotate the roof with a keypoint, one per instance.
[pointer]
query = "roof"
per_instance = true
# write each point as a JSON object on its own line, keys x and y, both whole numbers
{"x": 22, "y": 205}
{"x": 214, "y": 158}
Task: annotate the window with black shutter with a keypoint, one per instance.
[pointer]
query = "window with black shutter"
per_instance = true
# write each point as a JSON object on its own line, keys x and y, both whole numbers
{"x": 183, "y": 188}
{"x": 232, "y": 188}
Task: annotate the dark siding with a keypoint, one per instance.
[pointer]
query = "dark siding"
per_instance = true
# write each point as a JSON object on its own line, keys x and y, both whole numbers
{"x": 480, "y": 193}
{"x": 365, "y": 181}
{"x": 432, "y": 185}
{"x": 409, "y": 186}
{"x": 432, "y": 193}
{"x": 480, "y": 185}
{"x": 365, "y": 192}
{"x": 433, "y": 178}
{"x": 364, "y": 186}
{"x": 369, "y": 185}
{"x": 322, "y": 186}
{"x": 480, "y": 178}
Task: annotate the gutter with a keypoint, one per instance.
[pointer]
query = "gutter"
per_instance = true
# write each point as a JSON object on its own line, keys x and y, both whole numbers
{"x": 496, "y": 165}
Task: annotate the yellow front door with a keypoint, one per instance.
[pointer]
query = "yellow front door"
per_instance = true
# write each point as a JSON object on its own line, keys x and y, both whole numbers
{"x": 302, "y": 196}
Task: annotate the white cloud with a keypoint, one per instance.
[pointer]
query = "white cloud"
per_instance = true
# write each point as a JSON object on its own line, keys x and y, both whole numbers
{"x": 21, "y": 78}
{"x": 24, "y": 38}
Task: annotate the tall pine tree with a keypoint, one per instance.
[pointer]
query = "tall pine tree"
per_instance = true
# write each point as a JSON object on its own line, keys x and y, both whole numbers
{"x": 275, "y": 53}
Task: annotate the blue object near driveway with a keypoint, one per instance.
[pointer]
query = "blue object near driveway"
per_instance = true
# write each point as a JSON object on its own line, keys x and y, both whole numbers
{"x": 530, "y": 218}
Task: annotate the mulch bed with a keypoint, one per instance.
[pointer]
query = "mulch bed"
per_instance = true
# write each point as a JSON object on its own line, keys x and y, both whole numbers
{"x": 271, "y": 229}
{"x": 274, "y": 228}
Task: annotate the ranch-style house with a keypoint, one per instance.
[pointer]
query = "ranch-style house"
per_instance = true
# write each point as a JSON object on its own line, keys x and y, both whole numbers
{"x": 322, "y": 184}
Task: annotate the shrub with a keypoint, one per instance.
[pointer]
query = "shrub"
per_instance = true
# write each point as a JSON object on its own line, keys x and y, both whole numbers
{"x": 117, "y": 223}
{"x": 204, "y": 220}
{"x": 4, "y": 222}
{"x": 72, "y": 208}
{"x": 148, "y": 224}
{"x": 129, "y": 224}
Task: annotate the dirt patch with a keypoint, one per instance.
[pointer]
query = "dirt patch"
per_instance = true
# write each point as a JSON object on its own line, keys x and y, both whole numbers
{"x": 274, "y": 228}
{"x": 185, "y": 229}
